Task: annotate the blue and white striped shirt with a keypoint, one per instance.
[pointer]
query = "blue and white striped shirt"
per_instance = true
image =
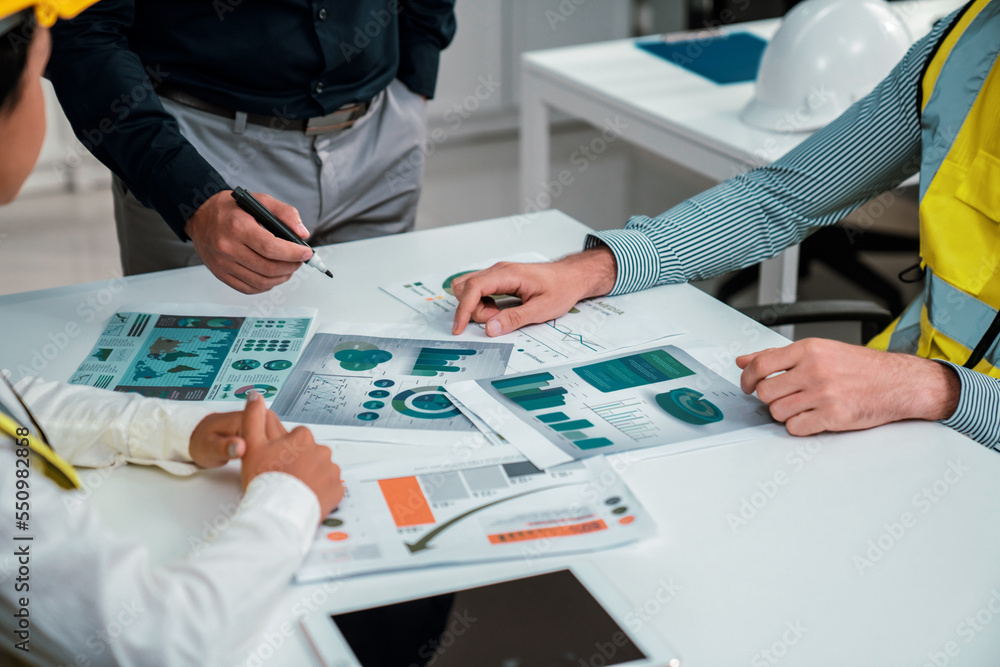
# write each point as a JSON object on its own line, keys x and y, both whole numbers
{"x": 872, "y": 147}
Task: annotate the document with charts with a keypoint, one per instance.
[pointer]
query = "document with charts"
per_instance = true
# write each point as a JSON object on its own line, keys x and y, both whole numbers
{"x": 592, "y": 328}
{"x": 196, "y": 352}
{"x": 635, "y": 400}
{"x": 361, "y": 387}
{"x": 425, "y": 512}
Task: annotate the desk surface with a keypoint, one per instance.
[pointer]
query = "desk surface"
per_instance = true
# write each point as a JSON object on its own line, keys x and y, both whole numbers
{"x": 673, "y": 99}
{"x": 718, "y": 591}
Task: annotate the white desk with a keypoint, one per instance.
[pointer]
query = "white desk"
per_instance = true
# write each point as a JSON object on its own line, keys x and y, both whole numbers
{"x": 734, "y": 592}
{"x": 666, "y": 109}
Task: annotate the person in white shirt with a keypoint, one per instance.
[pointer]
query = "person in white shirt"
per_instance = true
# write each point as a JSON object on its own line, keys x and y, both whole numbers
{"x": 92, "y": 596}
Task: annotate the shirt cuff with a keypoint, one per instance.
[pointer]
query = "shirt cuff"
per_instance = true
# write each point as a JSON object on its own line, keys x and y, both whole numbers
{"x": 978, "y": 411}
{"x": 160, "y": 434}
{"x": 182, "y": 186}
{"x": 636, "y": 257}
{"x": 287, "y": 498}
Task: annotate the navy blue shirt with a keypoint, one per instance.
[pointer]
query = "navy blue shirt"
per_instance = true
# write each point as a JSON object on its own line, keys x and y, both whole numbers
{"x": 287, "y": 58}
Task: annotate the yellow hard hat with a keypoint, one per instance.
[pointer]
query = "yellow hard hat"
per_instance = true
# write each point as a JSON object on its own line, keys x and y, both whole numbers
{"x": 46, "y": 11}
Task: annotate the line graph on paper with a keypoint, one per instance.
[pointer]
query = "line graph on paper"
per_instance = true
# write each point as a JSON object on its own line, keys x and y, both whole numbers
{"x": 325, "y": 394}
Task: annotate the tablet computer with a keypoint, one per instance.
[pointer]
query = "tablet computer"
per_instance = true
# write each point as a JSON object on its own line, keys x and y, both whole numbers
{"x": 565, "y": 617}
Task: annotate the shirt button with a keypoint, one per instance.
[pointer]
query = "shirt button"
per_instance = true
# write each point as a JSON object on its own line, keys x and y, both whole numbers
{"x": 321, "y": 15}
{"x": 318, "y": 87}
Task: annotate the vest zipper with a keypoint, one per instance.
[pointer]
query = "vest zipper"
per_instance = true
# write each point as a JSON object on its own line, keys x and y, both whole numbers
{"x": 984, "y": 343}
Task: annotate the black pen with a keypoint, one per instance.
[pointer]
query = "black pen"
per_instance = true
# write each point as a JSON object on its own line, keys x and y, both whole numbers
{"x": 269, "y": 221}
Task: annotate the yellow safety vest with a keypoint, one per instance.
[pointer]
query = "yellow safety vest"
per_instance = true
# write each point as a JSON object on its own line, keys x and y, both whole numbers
{"x": 959, "y": 200}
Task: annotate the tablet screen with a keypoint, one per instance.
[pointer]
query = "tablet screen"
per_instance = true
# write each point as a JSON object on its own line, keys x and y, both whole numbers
{"x": 547, "y": 620}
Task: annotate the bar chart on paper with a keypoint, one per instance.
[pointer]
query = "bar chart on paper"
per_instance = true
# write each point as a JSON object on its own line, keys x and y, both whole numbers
{"x": 618, "y": 403}
{"x": 535, "y": 394}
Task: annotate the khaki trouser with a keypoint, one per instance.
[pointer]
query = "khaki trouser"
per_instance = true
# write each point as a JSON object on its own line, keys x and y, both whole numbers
{"x": 338, "y": 181}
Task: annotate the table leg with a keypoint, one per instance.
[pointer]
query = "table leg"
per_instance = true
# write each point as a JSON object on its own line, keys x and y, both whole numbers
{"x": 779, "y": 280}
{"x": 534, "y": 146}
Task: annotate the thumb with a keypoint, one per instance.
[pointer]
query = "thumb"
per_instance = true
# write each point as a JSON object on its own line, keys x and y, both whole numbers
{"x": 232, "y": 448}
{"x": 532, "y": 311}
{"x": 254, "y": 422}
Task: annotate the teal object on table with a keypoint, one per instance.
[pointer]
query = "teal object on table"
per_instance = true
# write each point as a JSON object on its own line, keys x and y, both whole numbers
{"x": 731, "y": 58}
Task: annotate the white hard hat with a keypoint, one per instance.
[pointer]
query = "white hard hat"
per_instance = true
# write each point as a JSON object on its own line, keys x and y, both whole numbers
{"x": 826, "y": 55}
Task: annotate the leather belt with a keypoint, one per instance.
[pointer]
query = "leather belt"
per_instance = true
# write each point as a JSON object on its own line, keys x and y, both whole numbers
{"x": 339, "y": 120}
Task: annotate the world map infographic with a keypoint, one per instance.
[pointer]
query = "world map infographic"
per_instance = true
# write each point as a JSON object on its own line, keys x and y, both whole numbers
{"x": 194, "y": 358}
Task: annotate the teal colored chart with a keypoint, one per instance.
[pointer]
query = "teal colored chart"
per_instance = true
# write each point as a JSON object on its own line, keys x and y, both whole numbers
{"x": 425, "y": 403}
{"x": 168, "y": 349}
{"x": 360, "y": 356}
{"x": 689, "y": 406}
{"x": 265, "y": 390}
{"x": 292, "y": 327}
{"x": 434, "y": 360}
{"x": 631, "y": 401}
{"x": 391, "y": 383}
{"x": 188, "y": 357}
{"x": 635, "y": 370}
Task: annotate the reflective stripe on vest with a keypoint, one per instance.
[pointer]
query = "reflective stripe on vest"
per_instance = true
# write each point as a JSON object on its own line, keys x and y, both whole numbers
{"x": 959, "y": 196}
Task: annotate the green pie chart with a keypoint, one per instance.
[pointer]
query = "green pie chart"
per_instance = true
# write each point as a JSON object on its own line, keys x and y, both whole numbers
{"x": 425, "y": 403}
{"x": 265, "y": 390}
{"x": 689, "y": 406}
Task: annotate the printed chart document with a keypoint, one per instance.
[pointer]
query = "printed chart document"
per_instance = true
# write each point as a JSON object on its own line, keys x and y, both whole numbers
{"x": 592, "y": 328}
{"x": 420, "y": 513}
{"x": 634, "y": 400}
{"x": 196, "y": 353}
{"x": 386, "y": 389}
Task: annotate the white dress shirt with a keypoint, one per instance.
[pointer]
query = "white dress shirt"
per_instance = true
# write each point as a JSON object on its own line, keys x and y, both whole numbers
{"x": 94, "y": 598}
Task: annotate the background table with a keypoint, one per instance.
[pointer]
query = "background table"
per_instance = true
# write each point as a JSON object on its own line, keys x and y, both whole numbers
{"x": 670, "y": 111}
{"x": 720, "y": 595}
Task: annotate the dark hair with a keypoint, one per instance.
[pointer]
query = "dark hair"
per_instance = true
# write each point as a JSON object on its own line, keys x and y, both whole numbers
{"x": 14, "y": 47}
